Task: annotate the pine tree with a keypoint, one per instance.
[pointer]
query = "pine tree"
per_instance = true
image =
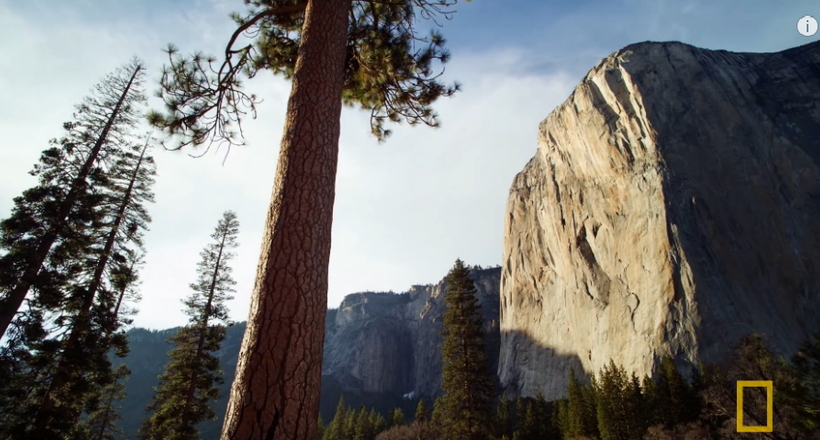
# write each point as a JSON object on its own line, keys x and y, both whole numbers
{"x": 421, "y": 415}
{"x": 57, "y": 353}
{"x": 575, "y": 408}
{"x": 66, "y": 173}
{"x": 102, "y": 420}
{"x": 94, "y": 310}
{"x": 803, "y": 394}
{"x": 376, "y": 421}
{"x": 542, "y": 417}
{"x": 467, "y": 388}
{"x": 320, "y": 429}
{"x": 336, "y": 427}
{"x": 589, "y": 414}
{"x": 352, "y": 52}
{"x": 503, "y": 418}
{"x": 396, "y": 418}
{"x": 189, "y": 383}
{"x": 438, "y": 411}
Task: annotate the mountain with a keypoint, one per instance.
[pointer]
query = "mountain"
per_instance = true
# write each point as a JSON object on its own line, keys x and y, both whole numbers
{"x": 380, "y": 342}
{"x": 671, "y": 207}
{"x": 381, "y": 351}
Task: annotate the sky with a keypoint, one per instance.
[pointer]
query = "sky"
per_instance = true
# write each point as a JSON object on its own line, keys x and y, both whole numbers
{"x": 405, "y": 209}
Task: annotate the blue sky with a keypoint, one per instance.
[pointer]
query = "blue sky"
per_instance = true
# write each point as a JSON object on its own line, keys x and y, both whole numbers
{"x": 405, "y": 210}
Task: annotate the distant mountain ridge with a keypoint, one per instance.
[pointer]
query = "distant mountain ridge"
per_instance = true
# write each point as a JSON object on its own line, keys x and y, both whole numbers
{"x": 381, "y": 351}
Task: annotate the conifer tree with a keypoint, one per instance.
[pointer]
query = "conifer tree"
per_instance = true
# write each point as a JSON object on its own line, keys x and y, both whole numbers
{"x": 438, "y": 411}
{"x": 61, "y": 231}
{"x": 94, "y": 309}
{"x": 803, "y": 394}
{"x": 191, "y": 378}
{"x": 335, "y": 430}
{"x": 542, "y": 417}
{"x": 574, "y": 408}
{"x": 362, "y": 52}
{"x": 503, "y": 418}
{"x": 520, "y": 415}
{"x": 102, "y": 421}
{"x": 376, "y": 421}
{"x": 619, "y": 404}
{"x": 320, "y": 429}
{"x": 421, "y": 415}
{"x": 66, "y": 173}
{"x": 396, "y": 418}
{"x": 467, "y": 388}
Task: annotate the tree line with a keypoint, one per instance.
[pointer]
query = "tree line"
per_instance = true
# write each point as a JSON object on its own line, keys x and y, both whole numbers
{"x": 610, "y": 405}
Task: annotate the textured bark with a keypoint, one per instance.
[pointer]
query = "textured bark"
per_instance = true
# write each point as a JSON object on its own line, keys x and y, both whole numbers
{"x": 276, "y": 391}
{"x": 12, "y": 302}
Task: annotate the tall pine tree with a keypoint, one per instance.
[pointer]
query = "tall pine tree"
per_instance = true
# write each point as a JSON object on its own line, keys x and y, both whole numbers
{"x": 93, "y": 310}
{"x": 66, "y": 172}
{"x": 56, "y": 358}
{"x": 468, "y": 390}
{"x": 365, "y": 53}
{"x": 190, "y": 382}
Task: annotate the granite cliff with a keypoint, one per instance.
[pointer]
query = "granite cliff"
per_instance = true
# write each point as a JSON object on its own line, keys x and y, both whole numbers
{"x": 671, "y": 207}
{"x": 386, "y": 342}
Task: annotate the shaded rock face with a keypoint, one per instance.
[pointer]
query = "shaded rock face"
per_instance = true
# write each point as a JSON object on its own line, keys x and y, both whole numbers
{"x": 671, "y": 207}
{"x": 387, "y": 342}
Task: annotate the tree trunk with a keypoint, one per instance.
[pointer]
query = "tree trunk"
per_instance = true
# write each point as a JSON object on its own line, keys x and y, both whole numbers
{"x": 63, "y": 372}
{"x": 275, "y": 394}
{"x": 14, "y": 299}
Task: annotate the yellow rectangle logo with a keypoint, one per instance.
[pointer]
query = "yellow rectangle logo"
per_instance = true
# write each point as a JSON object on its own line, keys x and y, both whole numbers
{"x": 741, "y": 384}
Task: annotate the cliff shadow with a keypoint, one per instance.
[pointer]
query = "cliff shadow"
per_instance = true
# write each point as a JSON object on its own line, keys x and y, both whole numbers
{"x": 526, "y": 366}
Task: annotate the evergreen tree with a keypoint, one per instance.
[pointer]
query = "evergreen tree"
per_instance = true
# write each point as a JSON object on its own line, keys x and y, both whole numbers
{"x": 396, "y": 418}
{"x": 542, "y": 417}
{"x": 421, "y": 412}
{"x": 320, "y": 429}
{"x": 335, "y": 430}
{"x": 376, "y": 421}
{"x": 60, "y": 243}
{"x": 189, "y": 383}
{"x": 103, "y": 419}
{"x": 520, "y": 416}
{"x": 803, "y": 394}
{"x": 352, "y": 52}
{"x": 503, "y": 418}
{"x": 589, "y": 414}
{"x": 468, "y": 389}
{"x": 438, "y": 411}
{"x": 615, "y": 416}
{"x": 94, "y": 310}
{"x": 349, "y": 429}
{"x": 563, "y": 419}
{"x": 574, "y": 416}
{"x": 362, "y": 429}
{"x": 66, "y": 173}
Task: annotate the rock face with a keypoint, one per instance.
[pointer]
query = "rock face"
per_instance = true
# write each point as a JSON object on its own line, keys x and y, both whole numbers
{"x": 387, "y": 342}
{"x": 672, "y": 207}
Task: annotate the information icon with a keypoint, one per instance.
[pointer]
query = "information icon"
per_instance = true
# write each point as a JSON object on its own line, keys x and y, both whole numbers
{"x": 807, "y": 26}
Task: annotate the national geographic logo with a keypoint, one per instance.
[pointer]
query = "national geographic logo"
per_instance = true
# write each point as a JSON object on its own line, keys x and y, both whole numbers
{"x": 741, "y": 384}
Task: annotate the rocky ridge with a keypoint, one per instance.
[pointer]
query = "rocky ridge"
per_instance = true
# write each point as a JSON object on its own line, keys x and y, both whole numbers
{"x": 387, "y": 342}
{"x": 670, "y": 208}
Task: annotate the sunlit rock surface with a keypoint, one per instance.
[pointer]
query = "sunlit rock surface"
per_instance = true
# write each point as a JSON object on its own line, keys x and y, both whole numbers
{"x": 671, "y": 207}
